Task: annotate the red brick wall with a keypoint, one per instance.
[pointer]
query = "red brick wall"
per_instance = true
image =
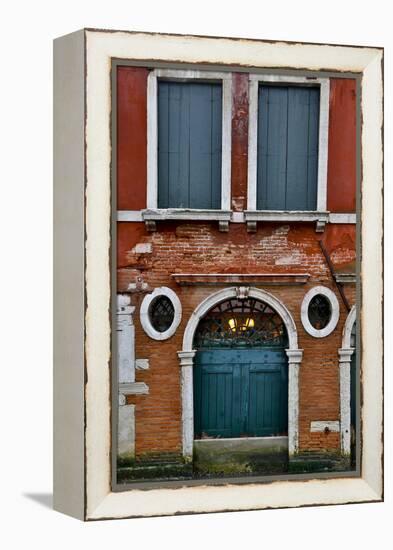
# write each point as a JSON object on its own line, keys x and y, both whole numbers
{"x": 201, "y": 248}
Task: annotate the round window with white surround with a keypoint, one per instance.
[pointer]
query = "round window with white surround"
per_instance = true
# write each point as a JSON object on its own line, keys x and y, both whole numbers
{"x": 320, "y": 311}
{"x": 160, "y": 313}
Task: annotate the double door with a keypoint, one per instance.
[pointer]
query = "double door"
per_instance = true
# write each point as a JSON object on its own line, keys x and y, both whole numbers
{"x": 241, "y": 393}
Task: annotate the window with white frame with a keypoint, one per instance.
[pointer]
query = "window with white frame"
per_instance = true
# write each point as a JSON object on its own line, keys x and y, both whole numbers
{"x": 189, "y": 144}
{"x": 320, "y": 311}
{"x": 288, "y": 140}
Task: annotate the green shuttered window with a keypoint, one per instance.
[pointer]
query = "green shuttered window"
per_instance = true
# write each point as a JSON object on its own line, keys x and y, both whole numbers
{"x": 189, "y": 145}
{"x": 288, "y": 128}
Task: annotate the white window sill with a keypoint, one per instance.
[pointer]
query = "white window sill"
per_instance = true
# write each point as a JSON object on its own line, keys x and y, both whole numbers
{"x": 249, "y": 216}
{"x": 290, "y": 215}
{"x": 254, "y": 216}
{"x": 151, "y": 216}
{"x": 158, "y": 214}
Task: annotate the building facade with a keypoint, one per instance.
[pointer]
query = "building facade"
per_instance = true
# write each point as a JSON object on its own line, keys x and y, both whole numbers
{"x": 236, "y": 279}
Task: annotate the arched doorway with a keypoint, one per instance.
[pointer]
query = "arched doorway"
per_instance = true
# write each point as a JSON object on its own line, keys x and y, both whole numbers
{"x": 240, "y": 371}
{"x": 187, "y": 355}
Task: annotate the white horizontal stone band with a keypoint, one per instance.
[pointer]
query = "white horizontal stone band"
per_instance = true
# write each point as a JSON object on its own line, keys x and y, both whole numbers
{"x": 134, "y": 388}
{"x": 240, "y": 217}
{"x": 158, "y": 214}
{"x": 322, "y": 425}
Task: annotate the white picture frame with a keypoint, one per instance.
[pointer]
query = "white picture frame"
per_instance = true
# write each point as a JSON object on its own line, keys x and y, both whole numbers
{"x": 82, "y": 385}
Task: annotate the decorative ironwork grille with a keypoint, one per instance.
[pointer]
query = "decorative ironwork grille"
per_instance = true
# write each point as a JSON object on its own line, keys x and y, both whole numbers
{"x": 161, "y": 313}
{"x": 240, "y": 323}
{"x": 319, "y": 311}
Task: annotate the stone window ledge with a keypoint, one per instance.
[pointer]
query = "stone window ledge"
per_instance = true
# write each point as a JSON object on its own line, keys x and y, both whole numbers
{"x": 254, "y": 216}
{"x": 152, "y": 215}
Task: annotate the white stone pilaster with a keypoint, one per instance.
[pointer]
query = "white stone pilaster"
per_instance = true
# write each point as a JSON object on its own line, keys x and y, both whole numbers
{"x": 126, "y": 431}
{"x": 125, "y": 339}
{"x": 186, "y": 363}
{"x": 294, "y": 359}
{"x": 345, "y": 398}
{"x": 126, "y": 376}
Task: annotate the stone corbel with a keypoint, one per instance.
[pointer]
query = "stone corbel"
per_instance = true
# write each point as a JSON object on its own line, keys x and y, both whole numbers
{"x": 320, "y": 226}
{"x": 150, "y": 225}
{"x": 252, "y": 226}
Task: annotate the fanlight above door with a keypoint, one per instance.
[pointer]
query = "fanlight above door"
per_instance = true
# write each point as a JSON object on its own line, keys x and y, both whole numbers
{"x": 240, "y": 323}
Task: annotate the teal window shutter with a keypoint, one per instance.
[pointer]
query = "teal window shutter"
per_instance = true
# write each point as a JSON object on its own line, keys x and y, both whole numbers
{"x": 288, "y": 129}
{"x": 189, "y": 145}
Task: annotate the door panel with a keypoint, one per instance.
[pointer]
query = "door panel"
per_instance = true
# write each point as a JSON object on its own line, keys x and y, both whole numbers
{"x": 240, "y": 392}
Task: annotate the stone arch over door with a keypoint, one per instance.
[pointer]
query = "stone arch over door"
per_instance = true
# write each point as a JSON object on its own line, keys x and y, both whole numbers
{"x": 186, "y": 357}
{"x": 345, "y": 353}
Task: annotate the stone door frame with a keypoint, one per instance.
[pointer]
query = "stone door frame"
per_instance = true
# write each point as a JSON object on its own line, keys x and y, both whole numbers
{"x": 187, "y": 354}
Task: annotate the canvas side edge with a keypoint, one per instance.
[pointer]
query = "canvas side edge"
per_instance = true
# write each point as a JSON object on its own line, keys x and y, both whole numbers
{"x": 69, "y": 276}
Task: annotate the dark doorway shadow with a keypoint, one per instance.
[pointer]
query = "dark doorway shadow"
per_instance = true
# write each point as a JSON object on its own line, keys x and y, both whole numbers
{"x": 45, "y": 499}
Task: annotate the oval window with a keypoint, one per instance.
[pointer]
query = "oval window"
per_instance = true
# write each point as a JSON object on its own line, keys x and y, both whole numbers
{"x": 161, "y": 313}
{"x": 319, "y": 311}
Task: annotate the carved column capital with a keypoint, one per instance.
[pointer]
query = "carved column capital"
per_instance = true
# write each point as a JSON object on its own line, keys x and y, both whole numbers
{"x": 294, "y": 355}
{"x": 186, "y": 358}
{"x": 345, "y": 354}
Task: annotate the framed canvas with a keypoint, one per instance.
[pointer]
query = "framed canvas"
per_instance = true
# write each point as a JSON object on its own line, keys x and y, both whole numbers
{"x": 218, "y": 274}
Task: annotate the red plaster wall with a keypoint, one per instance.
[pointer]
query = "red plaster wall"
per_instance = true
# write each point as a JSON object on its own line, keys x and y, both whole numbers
{"x": 239, "y": 140}
{"x": 341, "y": 196}
{"x": 131, "y": 137}
{"x": 340, "y": 243}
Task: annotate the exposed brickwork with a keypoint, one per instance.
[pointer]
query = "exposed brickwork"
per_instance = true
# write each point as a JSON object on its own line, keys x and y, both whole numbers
{"x": 201, "y": 248}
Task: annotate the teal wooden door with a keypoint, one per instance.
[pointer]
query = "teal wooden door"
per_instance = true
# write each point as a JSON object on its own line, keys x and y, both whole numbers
{"x": 241, "y": 392}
